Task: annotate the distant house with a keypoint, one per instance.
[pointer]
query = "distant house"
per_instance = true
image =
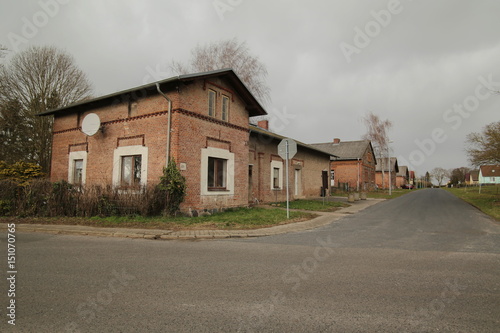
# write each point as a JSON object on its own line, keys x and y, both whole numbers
{"x": 384, "y": 165}
{"x": 412, "y": 178}
{"x": 472, "y": 178}
{"x": 489, "y": 174}
{"x": 403, "y": 176}
{"x": 354, "y": 165}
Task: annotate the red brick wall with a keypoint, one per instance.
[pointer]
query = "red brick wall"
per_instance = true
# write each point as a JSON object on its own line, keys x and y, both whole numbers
{"x": 263, "y": 150}
{"x": 115, "y": 124}
{"x": 385, "y": 183}
{"x": 350, "y": 171}
{"x": 146, "y": 119}
{"x": 401, "y": 180}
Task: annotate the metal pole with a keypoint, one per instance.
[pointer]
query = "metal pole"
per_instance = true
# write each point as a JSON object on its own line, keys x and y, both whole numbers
{"x": 287, "y": 191}
{"x": 389, "y": 159}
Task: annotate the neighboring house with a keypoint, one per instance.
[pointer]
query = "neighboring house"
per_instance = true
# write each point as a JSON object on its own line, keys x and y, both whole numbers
{"x": 354, "y": 164}
{"x": 308, "y": 170}
{"x": 209, "y": 138}
{"x": 412, "y": 178}
{"x": 403, "y": 176}
{"x": 489, "y": 174}
{"x": 472, "y": 178}
{"x": 382, "y": 172}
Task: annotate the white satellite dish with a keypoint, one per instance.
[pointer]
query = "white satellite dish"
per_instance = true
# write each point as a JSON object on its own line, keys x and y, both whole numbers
{"x": 91, "y": 124}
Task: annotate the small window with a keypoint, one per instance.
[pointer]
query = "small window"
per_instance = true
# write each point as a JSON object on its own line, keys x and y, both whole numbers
{"x": 225, "y": 108}
{"x": 276, "y": 177}
{"x": 216, "y": 173}
{"x": 78, "y": 172}
{"x": 211, "y": 103}
{"x": 131, "y": 170}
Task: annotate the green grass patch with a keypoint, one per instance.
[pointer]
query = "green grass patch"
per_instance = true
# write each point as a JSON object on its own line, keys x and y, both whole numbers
{"x": 313, "y": 205}
{"x": 487, "y": 201}
{"x": 233, "y": 219}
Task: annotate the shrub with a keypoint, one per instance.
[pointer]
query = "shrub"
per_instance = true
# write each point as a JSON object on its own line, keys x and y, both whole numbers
{"x": 171, "y": 190}
{"x": 20, "y": 172}
{"x": 42, "y": 198}
{"x": 8, "y": 196}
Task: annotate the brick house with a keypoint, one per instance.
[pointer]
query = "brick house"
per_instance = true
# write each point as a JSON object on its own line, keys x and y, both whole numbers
{"x": 308, "y": 170}
{"x": 209, "y": 138}
{"x": 412, "y": 178}
{"x": 382, "y": 178}
{"x": 353, "y": 164}
{"x": 403, "y": 176}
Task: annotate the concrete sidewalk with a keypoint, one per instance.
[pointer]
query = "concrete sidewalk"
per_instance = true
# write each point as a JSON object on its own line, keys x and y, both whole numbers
{"x": 323, "y": 219}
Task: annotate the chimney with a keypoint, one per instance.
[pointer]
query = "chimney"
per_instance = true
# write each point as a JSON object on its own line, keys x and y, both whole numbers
{"x": 336, "y": 140}
{"x": 263, "y": 124}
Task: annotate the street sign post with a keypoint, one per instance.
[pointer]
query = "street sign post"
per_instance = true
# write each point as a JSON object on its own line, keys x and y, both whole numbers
{"x": 287, "y": 149}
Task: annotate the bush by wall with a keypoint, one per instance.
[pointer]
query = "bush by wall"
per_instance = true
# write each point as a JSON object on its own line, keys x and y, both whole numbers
{"x": 23, "y": 194}
{"x": 42, "y": 198}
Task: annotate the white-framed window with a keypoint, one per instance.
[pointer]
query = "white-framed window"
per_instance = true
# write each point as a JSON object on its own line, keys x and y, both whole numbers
{"x": 130, "y": 166}
{"x": 77, "y": 167}
{"x": 217, "y": 171}
{"x": 276, "y": 175}
{"x": 225, "y": 108}
{"x": 212, "y": 95}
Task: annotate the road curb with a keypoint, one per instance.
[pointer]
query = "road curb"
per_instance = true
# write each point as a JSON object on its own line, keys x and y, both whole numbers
{"x": 323, "y": 219}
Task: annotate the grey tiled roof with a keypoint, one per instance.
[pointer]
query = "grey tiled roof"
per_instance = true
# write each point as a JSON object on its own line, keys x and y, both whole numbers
{"x": 382, "y": 163}
{"x": 403, "y": 171}
{"x": 345, "y": 150}
{"x": 258, "y": 130}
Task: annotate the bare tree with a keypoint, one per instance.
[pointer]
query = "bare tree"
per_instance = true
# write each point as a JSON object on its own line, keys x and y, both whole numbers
{"x": 484, "y": 147}
{"x": 228, "y": 54}
{"x": 34, "y": 81}
{"x": 457, "y": 175}
{"x": 377, "y": 132}
{"x": 439, "y": 174}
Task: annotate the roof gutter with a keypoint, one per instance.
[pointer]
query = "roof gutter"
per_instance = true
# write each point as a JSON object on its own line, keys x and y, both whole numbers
{"x": 168, "y": 123}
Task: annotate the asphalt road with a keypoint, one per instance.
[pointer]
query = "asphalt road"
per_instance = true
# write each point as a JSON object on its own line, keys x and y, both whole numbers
{"x": 425, "y": 262}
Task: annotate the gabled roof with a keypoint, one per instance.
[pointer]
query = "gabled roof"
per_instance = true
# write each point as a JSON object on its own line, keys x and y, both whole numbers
{"x": 490, "y": 170}
{"x": 474, "y": 175}
{"x": 252, "y": 105}
{"x": 259, "y": 130}
{"x": 403, "y": 171}
{"x": 346, "y": 150}
{"x": 383, "y": 163}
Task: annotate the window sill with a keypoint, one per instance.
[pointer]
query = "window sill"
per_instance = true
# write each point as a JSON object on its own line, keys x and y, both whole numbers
{"x": 218, "y": 190}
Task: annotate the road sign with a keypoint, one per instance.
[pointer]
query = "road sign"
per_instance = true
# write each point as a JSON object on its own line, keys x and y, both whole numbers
{"x": 287, "y": 149}
{"x": 292, "y": 148}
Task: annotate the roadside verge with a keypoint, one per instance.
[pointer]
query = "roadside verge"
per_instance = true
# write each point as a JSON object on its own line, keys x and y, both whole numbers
{"x": 323, "y": 219}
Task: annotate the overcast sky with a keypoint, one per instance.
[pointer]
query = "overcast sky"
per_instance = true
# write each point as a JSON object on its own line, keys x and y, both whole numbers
{"x": 425, "y": 65}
